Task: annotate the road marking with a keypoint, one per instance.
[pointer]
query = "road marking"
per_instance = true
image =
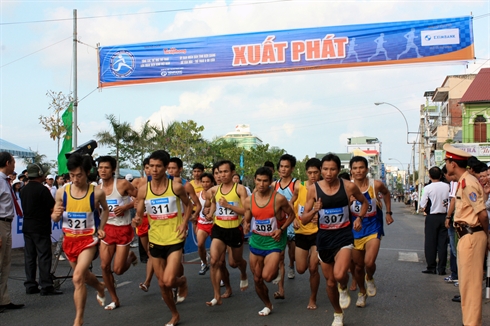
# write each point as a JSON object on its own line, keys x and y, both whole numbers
{"x": 398, "y": 249}
{"x": 408, "y": 256}
{"x": 123, "y": 283}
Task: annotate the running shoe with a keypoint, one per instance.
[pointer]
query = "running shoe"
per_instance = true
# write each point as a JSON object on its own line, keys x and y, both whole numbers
{"x": 204, "y": 269}
{"x": 361, "y": 300}
{"x": 338, "y": 319}
{"x": 370, "y": 287}
{"x": 61, "y": 258}
{"x": 291, "y": 272}
{"x": 221, "y": 283}
{"x": 456, "y": 283}
{"x": 344, "y": 298}
{"x": 449, "y": 279}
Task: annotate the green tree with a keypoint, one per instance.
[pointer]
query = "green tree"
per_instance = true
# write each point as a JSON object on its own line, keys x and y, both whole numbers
{"x": 120, "y": 134}
{"x": 52, "y": 123}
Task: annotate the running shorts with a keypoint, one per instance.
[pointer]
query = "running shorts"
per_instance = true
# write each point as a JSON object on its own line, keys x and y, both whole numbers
{"x": 142, "y": 230}
{"x": 360, "y": 244}
{"x": 205, "y": 227}
{"x": 73, "y": 246}
{"x": 305, "y": 241}
{"x": 263, "y": 253}
{"x": 232, "y": 237}
{"x": 163, "y": 252}
{"x": 119, "y": 235}
{"x": 327, "y": 256}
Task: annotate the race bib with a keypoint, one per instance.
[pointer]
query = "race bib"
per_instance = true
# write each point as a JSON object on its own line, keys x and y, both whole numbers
{"x": 356, "y": 208}
{"x": 333, "y": 218}
{"x": 264, "y": 227}
{"x": 162, "y": 208}
{"x": 78, "y": 223}
{"x": 226, "y": 214}
{"x": 113, "y": 204}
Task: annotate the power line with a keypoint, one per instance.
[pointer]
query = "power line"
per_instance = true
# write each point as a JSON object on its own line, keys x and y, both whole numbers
{"x": 141, "y": 13}
{"x": 35, "y": 52}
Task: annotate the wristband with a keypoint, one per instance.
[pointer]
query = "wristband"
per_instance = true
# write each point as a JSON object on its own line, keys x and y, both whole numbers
{"x": 448, "y": 217}
{"x": 390, "y": 213}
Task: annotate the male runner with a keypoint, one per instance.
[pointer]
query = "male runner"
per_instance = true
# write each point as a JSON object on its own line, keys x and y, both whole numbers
{"x": 266, "y": 209}
{"x": 329, "y": 199}
{"x": 119, "y": 232}
{"x": 368, "y": 239}
{"x": 305, "y": 254}
{"x": 197, "y": 171}
{"x": 227, "y": 205}
{"x": 78, "y": 204}
{"x": 204, "y": 226}
{"x": 165, "y": 201}
{"x": 174, "y": 169}
{"x": 289, "y": 188}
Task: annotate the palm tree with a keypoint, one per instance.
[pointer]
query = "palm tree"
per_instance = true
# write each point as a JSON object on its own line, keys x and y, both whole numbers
{"x": 121, "y": 132}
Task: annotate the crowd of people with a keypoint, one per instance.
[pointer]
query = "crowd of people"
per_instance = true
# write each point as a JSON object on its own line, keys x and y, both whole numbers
{"x": 330, "y": 221}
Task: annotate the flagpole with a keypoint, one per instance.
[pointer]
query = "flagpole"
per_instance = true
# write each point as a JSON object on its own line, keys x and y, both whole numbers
{"x": 75, "y": 86}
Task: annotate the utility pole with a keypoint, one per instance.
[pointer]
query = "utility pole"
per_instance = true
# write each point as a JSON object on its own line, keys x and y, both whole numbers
{"x": 421, "y": 152}
{"x": 75, "y": 86}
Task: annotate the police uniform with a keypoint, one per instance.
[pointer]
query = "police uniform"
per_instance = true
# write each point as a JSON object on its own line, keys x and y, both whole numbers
{"x": 473, "y": 240}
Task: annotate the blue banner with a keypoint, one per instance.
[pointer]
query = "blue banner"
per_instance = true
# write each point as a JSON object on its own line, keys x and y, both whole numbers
{"x": 288, "y": 50}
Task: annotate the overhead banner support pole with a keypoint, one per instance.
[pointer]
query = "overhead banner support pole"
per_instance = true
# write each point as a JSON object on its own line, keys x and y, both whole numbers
{"x": 75, "y": 77}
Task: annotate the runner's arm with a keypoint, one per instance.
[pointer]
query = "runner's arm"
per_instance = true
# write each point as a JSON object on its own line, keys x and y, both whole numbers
{"x": 58, "y": 206}
{"x": 182, "y": 194}
{"x": 210, "y": 204}
{"x": 102, "y": 203}
{"x": 140, "y": 206}
{"x": 386, "y": 198}
{"x": 309, "y": 211}
{"x": 284, "y": 206}
{"x": 353, "y": 190}
{"x": 192, "y": 194}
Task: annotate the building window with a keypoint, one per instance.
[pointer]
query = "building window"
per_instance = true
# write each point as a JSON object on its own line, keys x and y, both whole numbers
{"x": 480, "y": 129}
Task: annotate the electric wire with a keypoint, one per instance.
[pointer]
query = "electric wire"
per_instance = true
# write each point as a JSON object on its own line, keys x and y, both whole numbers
{"x": 141, "y": 13}
{"x": 44, "y": 48}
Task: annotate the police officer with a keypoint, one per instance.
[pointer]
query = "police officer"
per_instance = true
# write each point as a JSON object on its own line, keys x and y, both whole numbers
{"x": 471, "y": 224}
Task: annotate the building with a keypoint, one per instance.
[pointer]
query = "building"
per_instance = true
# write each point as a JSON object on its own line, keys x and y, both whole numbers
{"x": 369, "y": 147}
{"x": 476, "y": 117}
{"x": 243, "y": 137}
{"x": 344, "y": 159}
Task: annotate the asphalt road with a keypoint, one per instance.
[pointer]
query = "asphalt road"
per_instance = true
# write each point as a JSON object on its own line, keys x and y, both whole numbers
{"x": 405, "y": 295}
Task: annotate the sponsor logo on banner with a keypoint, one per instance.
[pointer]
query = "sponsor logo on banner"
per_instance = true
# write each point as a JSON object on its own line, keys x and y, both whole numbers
{"x": 440, "y": 37}
{"x": 122, "y": 63}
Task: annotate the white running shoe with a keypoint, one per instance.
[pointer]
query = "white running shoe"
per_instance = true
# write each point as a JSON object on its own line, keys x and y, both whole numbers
{"x": 344, "y": 298}
{"x": 338, "y": 319}
{"x": 370, "y": 287}
{"x": 61, "y": 258}
{"x": 221, "y": 283}
{"x": 361, "y": 300}
{"x": 291, "y": 272}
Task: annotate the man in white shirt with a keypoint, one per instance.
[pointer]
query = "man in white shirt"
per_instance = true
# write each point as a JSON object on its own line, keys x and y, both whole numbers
{"x": 435, "y": 229}
{"x": 50, "y": 185}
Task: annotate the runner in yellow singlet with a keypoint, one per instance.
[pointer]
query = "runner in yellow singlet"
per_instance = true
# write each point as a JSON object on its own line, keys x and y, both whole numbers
{"x": 164, "y": 202}
{"x": 227, "y": 208}
{"x": 77, "y": 204}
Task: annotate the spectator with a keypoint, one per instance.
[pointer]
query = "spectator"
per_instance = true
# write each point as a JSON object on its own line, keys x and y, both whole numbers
{"x": 8, "y": 208}
{"x": 49, "y": 183}
{"x": 37, "y": 204}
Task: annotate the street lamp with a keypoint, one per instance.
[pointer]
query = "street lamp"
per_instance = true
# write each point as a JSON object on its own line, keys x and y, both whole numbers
{"x": 406, "y": 122}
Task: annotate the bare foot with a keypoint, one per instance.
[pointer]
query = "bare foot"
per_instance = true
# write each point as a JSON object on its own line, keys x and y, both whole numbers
{"x": 227, "y": 294}
{"x": 174, "y": 321}
{"x": 214, "y": 302}
{"x": 183, "y": 288}
{"x": 311, "y": 305}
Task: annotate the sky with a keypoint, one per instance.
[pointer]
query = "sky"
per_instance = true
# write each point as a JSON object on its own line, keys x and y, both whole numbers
{"x": 303, "y": 113}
